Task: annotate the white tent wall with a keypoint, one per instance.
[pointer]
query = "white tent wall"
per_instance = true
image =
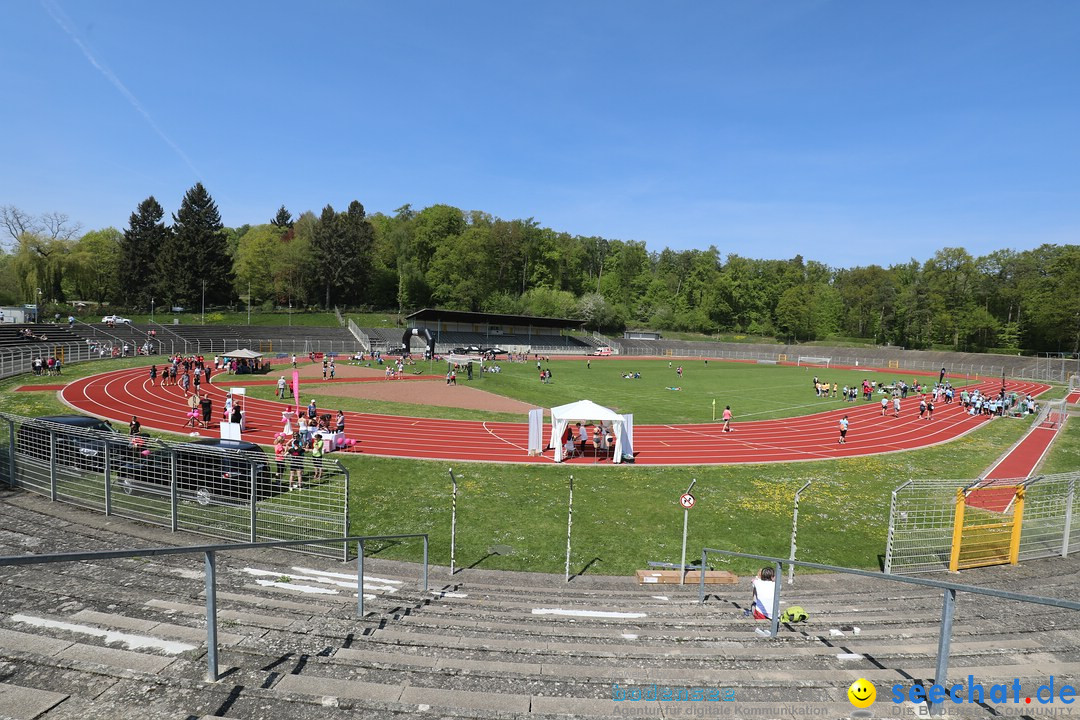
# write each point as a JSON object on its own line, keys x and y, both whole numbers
{"x": 627, "y": 435}
{"x": 536, "y": 431}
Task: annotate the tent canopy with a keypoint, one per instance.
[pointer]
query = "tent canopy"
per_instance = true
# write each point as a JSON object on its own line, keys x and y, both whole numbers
{"x": 562, "y": 415}
{"x": 243, "y": 354}
{"x": 584, "y": 410}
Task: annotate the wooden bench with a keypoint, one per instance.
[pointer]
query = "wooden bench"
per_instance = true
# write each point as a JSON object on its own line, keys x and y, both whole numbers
{"x": 671, "y": 577}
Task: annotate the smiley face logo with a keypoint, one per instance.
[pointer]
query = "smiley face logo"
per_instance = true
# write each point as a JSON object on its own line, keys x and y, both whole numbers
{"x": 862, "y": 693}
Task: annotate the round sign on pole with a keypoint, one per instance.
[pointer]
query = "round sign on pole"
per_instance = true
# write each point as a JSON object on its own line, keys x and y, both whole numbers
{"x": 686, "y": 500}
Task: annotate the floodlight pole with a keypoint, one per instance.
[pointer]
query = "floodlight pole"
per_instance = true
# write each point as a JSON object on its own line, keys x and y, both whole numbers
{"x": 685, "y": 522}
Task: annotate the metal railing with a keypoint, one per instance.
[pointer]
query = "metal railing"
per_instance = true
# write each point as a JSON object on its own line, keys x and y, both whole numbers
{"x": 360, "y": 335}
{"x": 209, "y": 552}
{"x": 239, "y": 494}
{"x": 948, "y": 602}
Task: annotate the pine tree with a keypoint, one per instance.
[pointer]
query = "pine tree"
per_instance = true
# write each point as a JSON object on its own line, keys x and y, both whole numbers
{"x": 283, "y": 218}
{"x": 197, "y": 256}
{"x": 342, "y": 243}
{"x": 144, "y": 238}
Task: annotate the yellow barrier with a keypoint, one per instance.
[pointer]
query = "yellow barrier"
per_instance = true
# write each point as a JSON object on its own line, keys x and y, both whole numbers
{"x": 781, "y": 357}
{"x": 894, "y": 364}
{"x": 984, "y": 537}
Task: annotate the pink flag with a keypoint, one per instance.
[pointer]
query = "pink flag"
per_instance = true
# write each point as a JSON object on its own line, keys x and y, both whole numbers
{"x": 296, "y": 389}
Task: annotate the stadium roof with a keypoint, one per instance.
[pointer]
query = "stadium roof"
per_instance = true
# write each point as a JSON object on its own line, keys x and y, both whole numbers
{"x": 428, "y": 314}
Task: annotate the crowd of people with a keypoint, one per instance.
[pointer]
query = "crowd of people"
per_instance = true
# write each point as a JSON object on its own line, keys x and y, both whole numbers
{"x": 315, "y": 434}
{"x": 47, "y": 366}
{"x": 575, "y": 438}
{"x": 28, "y": 334}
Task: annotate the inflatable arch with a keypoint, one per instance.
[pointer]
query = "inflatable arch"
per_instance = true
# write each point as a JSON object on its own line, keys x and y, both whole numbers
{"x": 406, "y": 339}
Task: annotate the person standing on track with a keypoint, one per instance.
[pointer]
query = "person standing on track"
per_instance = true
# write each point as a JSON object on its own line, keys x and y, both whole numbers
{"x": 153, "y": 375}
{"x": 884, "y": 405}
{"x": 727, "y": 418}
{"x": 843, "y": 430}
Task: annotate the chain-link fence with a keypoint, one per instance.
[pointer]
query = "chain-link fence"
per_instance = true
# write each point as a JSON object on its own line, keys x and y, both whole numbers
{"x": 1051, "y": 526}
{"x": 920, "y": 526}
{"x": 922, "y": 515}
{"x": 223, "y": 488}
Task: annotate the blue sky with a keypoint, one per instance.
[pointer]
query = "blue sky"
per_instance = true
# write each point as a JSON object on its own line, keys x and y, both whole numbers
{"x": 848, "y": 132}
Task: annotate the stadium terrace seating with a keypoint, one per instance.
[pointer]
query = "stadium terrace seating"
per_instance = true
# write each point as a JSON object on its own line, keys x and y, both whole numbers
{"x": 446, "y": 341}
{"x": 480, "y": 644}
{"x": 10, "y": 336}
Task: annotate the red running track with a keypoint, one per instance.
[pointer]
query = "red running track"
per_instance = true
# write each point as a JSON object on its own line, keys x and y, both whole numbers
{"x": 120, "y": 394}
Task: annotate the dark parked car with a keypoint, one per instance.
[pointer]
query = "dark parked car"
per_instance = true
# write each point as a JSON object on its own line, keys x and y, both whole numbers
{"x": 80, "y": 440}
{"x": 207, "y": 470}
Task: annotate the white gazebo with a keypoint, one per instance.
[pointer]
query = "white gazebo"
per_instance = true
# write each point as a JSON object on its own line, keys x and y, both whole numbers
{"x": 584, "y": 410}
{"x": 243, "y": 354}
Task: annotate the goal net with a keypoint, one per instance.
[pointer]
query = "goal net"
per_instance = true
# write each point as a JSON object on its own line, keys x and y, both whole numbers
{"x": 1055, "y": 413}
{"x": 810, "y": 361}
{"x": 1074, "y": 383}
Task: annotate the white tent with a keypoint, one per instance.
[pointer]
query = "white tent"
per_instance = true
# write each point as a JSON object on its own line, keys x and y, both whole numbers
{"x": 584, "y": 410}
{"x": 243, "y": 354}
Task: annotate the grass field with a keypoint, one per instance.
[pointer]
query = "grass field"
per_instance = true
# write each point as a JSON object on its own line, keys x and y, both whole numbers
{"x": 626, "y": 516}
{"x": 755, "y": 392}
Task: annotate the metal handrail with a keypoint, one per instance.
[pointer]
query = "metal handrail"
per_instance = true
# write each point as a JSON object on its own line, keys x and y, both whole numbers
{"x": 209, "y": 552}
{"x": 948, "y": 602}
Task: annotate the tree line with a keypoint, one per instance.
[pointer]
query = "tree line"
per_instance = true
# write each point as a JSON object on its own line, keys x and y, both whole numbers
{"x": 470, "y": 260}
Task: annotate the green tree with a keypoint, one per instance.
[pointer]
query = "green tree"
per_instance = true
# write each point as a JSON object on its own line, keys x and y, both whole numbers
{"x": 342, "y": 244}
{"x": 196, "y": 256}
{"x": 256, "y": 262}
{"x": 283, "y": 219}
{"x": 94, "y": 265}
{"x": 145, "y": 238}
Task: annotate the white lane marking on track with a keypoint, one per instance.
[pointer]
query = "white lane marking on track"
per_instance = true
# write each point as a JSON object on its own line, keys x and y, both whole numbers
{"x": 502, "y": 439}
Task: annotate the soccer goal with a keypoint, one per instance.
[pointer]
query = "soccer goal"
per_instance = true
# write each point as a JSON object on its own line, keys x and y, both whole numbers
{"x": 1055, "y": 414}
{"x": 1074, "y": 383}
{"x": 809, "y": 361}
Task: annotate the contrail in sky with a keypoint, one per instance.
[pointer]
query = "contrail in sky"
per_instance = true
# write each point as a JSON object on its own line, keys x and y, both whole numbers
{"x": 62, "y": 20}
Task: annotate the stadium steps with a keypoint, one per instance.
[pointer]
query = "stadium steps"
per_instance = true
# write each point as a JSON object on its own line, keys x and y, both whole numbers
{"x": 484, "y": 655}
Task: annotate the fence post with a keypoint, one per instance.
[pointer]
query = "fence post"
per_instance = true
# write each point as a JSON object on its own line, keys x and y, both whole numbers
{"x": 174, "y": 494}
{"x": 891, "y": 537}
{"x": 425, "y": 563}
{"x": 944, "y": 639}
{"x": 1068, "y": 515}
{"x": 252, "y": 475}
{"x": 12, "y": 480}
{"x": 685, "y": 523}
{"x": 453, "y": 519}
{"x": 345, "y": 512}
{"x": 108, "y": 478}
{"x": 569, "y": 526}
{"x": 1017, "y": 526}
{"x": 957, "y": 531}
{"x": 211, "y": 619}
{"x": 360, "y": 578}
{"x": 52, "y": 465}
{"x": 794, "y": 532}
{"x": 701, "y": 577}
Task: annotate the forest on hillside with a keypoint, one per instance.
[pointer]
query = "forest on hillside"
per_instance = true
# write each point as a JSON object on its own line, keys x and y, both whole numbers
{"x": 445, "y": 257}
